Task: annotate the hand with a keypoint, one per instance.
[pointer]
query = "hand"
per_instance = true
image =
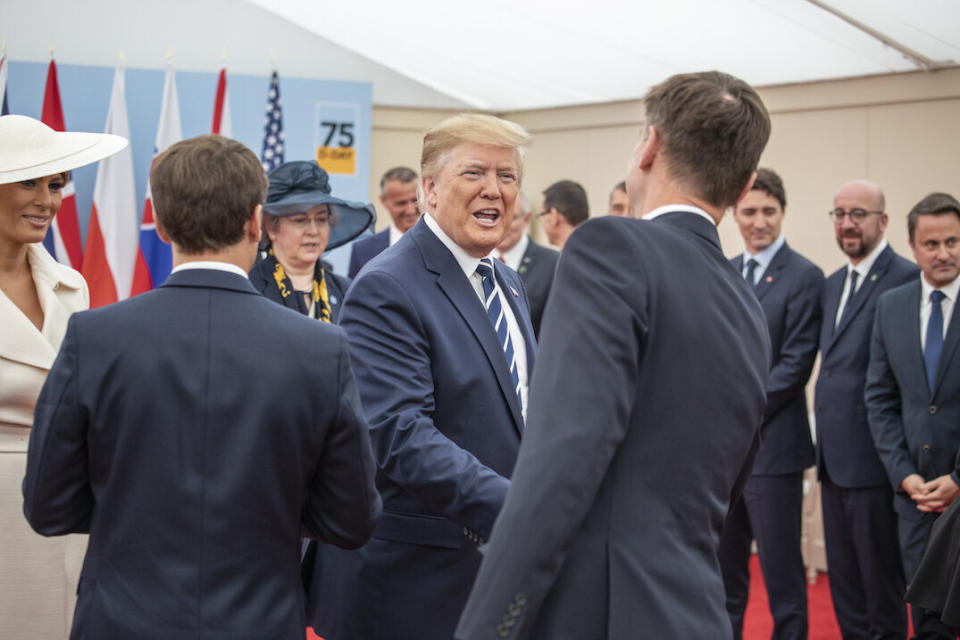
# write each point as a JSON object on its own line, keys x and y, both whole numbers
{"x": 937, "y": 494}
{"x": 913, "y": 486}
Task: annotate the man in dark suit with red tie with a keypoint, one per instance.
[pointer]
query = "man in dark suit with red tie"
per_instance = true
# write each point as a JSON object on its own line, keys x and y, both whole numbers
{"x": 860, "y": 526}
{"x": 789, "y": 288}
{"x": 646, "y": 400}
{"x": 913, "y": 387}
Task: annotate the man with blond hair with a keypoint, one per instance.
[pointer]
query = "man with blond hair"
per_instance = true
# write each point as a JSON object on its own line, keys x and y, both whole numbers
{"x": 442, "y": 345}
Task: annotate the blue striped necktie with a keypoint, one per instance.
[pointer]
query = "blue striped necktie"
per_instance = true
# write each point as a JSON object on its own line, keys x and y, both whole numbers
{"x": 491, "y": 300}
{"x": 931, "y": 352}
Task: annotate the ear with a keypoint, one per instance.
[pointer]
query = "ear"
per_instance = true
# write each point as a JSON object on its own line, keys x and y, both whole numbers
{"x": 746, "y": 189}
{"x": 383, "y": 199}
{"x": 649, "y": 148}
{"x": 429, "y": 186}
{"x": 254, "y": 226}
{"x": 884, "y": 219}
{"x": 160, "y": 230}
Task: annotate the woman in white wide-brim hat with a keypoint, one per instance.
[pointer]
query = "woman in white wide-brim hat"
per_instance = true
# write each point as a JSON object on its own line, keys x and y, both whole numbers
{"x": 38, "y": 576}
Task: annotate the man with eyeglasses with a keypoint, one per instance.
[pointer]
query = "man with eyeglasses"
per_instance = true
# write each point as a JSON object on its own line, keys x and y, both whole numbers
{"x": 860, "y": 526}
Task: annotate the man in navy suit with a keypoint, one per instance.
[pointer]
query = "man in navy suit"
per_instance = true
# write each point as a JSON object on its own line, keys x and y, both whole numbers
{"x": 647, "y": 398}
{"x": 534, "y": 263}
{"x": 913, "y": 387}
{"x": 196, "y": 430}
{"x": 398, "y": 193}
{"x": 564, "y": 208}
{"x": 860, "y": 526}
{"x": 789, "y": 288}
{"x": 442, "y": 344}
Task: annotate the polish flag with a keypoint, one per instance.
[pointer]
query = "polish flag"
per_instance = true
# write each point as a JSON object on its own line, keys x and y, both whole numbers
{"x": 111, "y": 250}
{"x": 63, "y": 236}
{"x": 221, "y": 107}
{"x": 154, "y": 259}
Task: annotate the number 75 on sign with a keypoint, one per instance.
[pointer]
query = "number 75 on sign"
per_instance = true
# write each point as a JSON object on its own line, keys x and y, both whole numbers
{"x": 335, "y": 137}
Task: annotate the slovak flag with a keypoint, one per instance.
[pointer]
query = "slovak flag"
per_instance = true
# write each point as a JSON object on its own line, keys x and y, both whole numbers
{"x": 63, "y": 236}
{"x": 112, "y": 235}
{"x": 4, "y": 110}
{"x": 154, "y": 260}
{"x": 221, "y": 107}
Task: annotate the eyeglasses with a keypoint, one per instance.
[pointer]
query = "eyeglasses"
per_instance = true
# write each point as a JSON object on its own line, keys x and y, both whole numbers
{"x": 856, "y": 215}
{"x": 302, "y": 223}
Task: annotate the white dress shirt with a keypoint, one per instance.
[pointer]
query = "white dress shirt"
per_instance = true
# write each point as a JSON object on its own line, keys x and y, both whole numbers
{"x": 469, "y": 265}
{"x": 514, "y": 255}
{"x": 210, "y": 264}
{"x": 395, "y": 234}
{"x": 946, "y": 306}
{"x": 862, "y": 269}
{"x": 763, "y": 258}
{"x": 669, "y": 208}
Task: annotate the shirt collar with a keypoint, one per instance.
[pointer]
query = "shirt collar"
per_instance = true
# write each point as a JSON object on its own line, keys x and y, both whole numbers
{"x": 765, "y": 257}
{"x": 950, "y": 291}
{"x": 659, "y": 211}
{"x": 514, "y": 255}
{"x": 395, "y": 234}
{"x": 467, "y": 262}
{"x": 867, "y": 263}
{"x": 210, "y": 264}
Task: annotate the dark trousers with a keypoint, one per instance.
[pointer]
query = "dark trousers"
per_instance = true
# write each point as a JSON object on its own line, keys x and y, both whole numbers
{"x": 914, "y": 533}
{"x": 863, "y": 558}
{"x": 770, "y": 512}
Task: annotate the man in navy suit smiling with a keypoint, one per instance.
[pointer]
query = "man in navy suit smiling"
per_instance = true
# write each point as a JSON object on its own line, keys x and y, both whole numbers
{"x": 442, "y": 344}
{"x": 789, "y": 288}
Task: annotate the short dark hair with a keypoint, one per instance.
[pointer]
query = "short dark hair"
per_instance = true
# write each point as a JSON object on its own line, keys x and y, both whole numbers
{"x": 935, "y": 204}
{"x": 770, "y": 183}
{"x": 204, "y": 190}
{"x": 569, "y": 198}
{"x": 713, "y": 128}
{"x": 398, "y": 174}
{"x": 620, "y": 186}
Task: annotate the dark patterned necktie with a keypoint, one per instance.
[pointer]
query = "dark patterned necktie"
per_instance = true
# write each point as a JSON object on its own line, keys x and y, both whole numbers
{"x": 934, "y": 345}
{"x": 495, "y": 312}
{"x": 751, "y": 271}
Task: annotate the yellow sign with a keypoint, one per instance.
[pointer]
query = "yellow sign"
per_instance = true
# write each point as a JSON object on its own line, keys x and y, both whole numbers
{"x": 338, "y": 159}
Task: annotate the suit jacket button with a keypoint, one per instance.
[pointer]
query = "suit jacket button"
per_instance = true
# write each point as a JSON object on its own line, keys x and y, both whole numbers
{"x": 926, "y": 447}
{"x": 933, "y": 409}
{"x": 520, "y": 599}
{"x": 503, "y": 631}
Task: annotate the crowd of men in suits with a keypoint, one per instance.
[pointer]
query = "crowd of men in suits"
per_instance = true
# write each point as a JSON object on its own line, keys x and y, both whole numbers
{"x": 607, "y": 483}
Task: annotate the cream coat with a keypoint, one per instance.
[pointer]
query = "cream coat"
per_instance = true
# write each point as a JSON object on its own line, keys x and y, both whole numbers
{"x": 38, "y": 576}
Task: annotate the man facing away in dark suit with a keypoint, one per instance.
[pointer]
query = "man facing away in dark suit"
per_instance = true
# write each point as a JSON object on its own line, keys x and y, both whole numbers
{"x": 913, "y": 387}
{"x": 859, "y": 524}
{"x": 646, "y": 401}
{"x": 196, "y": 430}
{"x": 789, "y": 288}
{"x": 534, "y": 263}
{"x": 442, "y": 344}
{"x": 398, "y": 194}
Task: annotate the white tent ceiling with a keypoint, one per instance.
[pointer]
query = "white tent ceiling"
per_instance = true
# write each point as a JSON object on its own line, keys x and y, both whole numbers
{"x": 498, "y": 55}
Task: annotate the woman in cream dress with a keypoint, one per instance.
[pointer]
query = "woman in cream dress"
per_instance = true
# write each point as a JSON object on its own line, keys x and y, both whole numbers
{"x": 38, "y": 576}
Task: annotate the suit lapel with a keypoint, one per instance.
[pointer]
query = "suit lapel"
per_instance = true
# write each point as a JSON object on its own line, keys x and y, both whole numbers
{"x": 949, "y": 344}
{"x": 771, "y": 275}
{"x": 20, "y": 340}
{"x": 865, "y": 291}
{"x": 457, "y": 288}
{"x": 911, "y": 320}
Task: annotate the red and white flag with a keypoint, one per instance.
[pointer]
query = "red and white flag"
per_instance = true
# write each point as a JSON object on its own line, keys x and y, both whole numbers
{"x": 154, "y": 258}
{"x": 221, "y": 107}
{"x": 112, "y": 235}
{"x": 63, "y": 236}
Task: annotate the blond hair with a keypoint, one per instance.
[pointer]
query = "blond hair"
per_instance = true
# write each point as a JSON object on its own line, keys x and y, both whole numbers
{"x": 471, "y": 127}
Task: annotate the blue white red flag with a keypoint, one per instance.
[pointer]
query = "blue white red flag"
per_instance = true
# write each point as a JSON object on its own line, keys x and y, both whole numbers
{"x": 154, "y": 260}
{"x": 272, "y": 155}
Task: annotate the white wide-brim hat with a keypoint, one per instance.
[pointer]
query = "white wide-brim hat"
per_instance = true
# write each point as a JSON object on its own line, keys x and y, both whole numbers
{"x": 30, "y": 149}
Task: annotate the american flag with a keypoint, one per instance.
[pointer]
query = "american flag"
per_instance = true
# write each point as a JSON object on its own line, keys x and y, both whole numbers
{"x": 272, "y": 155}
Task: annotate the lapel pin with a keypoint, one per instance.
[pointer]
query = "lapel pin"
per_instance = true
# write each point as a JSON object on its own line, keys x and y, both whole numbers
{"x": 769, "y": 278}
{"x": 514, "y": 292}
{"x": 873, "y": 278}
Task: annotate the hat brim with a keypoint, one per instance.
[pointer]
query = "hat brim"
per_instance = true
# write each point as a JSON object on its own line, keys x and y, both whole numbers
{"x": 73, "y": 150}
{"x": 351, "y": 218}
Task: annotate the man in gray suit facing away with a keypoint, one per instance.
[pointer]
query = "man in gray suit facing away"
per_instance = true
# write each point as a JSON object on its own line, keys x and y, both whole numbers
{"x": 646, "y": 406}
